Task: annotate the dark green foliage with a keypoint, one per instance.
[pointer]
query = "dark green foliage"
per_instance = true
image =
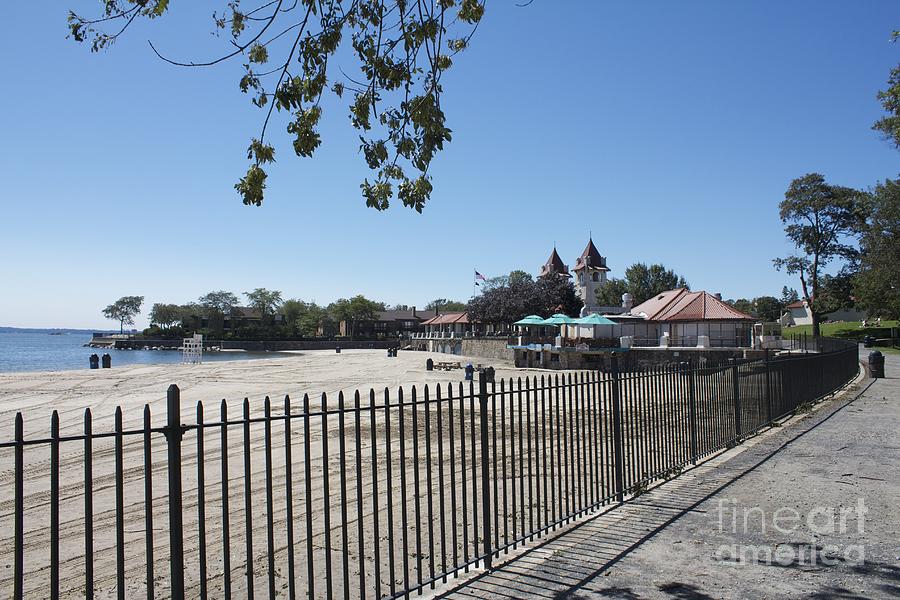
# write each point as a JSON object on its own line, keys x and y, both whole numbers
{"x": 166, "y": 315}
{"x": 818, "y": 219}
{"x": 768, "y": 308}
{"x": 218, "y": 303}
{"x": 265, "y": 302}
{"x": 889, "y": 126}
{"x": 641, "y": 281}
{"x": 518, "y": 295}
{"x": 402, "y": 48}
{"x": 442, "y": 305}
{"x": 789, "y": 295}
{"x": 743, "y": 305}
{"x": 124, "y": 310}
{"x": 765, "y": 308}
{"x": 354, "y": 311}
{"x": 877, "y": 285}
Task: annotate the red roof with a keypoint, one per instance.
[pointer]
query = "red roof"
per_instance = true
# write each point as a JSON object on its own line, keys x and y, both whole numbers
{"x": 796, "y": 304}
{"x": 591, "y": 258}
{"x": 554, "y": 265}
{"x": 684, "y": 305}
{"x": 448, "y": 319}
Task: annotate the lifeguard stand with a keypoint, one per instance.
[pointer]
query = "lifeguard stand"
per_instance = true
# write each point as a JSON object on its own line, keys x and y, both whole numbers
{"x": 192, "y": 350}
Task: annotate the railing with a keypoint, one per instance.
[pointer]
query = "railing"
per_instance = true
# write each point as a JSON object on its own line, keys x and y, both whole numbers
{"x": 693, "y": 341}
{"x": 367, "y": 496}
{"x": 456, "y": 335}
{"x": 601, "y": 343}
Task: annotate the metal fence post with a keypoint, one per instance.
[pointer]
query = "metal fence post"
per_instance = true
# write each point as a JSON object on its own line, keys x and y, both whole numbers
{"x": 768, "y": 387}
{"x": 174, "y": 433}
{"x": 736, "y": 392}
{"x": 692, "y": 409}
{"x": 618, "y": 447}
{"x": 19, "y": 509}
{"x": 484, "y": 377}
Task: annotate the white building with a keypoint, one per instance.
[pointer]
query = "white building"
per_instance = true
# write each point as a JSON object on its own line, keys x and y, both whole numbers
{"x": 798, "y": 313}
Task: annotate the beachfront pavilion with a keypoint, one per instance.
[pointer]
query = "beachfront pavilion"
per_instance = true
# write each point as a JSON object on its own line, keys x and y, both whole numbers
{"x": 675, "y": 318}
{"x": 688, "y": 319}
{"x": 449, "y": 325}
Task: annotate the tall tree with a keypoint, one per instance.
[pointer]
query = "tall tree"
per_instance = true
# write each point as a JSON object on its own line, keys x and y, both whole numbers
{"x": 877, "y": 285}
{"x": 768, "y": 308}
{"x": 818, "y": 219}
{"x": 166, "y": 315}
{"x": 314, "y": 321}
{"x": 124, "y": 310}
{"x": 265, "y": 302}
{"x": 789, "y": 295}
{"x": 354, "y": 311}
{"x": 444, "y": 305}
{"x": 215, "y": 306}
{"x": 889, "y": 125}
{"x": 304, "y": 318}
{"x": 642, "y": 282}
{"x": 287, "y": 49}
{"x": 521, "y": 296}
{"x": 557, "y": 295}
{"x": 743, "y": 305}
{"x": 220, "y": 302}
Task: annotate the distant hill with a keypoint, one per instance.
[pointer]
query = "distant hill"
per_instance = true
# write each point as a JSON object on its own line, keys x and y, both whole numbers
{"x": 52, "y": 330}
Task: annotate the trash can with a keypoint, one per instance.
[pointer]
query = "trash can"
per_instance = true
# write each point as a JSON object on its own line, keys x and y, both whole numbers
{"x": 470, "y": 372}
{"x": 488, "y": 373}
{"x": 876, "y": 365}
{"x": 94, "y": 361}
{"x": 429, "y": 365}
{"x": 106, "y": 361}
{"x": 337, "y": 350}
{"x": 868, "y": 341}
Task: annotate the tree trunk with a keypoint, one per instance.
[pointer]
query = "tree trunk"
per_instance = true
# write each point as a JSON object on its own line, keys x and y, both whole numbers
{"x": 815, "y": 295}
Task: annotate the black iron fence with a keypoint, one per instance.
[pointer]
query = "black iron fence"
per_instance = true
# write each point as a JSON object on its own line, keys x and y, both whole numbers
{"x": 367, "y": 496}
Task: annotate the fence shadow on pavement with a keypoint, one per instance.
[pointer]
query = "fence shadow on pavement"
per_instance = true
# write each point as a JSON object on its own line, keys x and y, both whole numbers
{"x": 555, "y": 569}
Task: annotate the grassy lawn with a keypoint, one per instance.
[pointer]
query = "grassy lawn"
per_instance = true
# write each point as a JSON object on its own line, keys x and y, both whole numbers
{"x": 850, "y": 330}
{"x": 847, "y": 330}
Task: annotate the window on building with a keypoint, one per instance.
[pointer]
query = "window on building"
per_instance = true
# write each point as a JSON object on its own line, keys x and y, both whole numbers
{"x": 596, "y": 276}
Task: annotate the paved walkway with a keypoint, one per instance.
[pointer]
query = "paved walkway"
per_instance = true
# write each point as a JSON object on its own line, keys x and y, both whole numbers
{"x": 711, "y": 533}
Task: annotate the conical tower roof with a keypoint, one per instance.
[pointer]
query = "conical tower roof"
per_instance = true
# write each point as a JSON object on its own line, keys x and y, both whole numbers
{"x": 590, "y": 258}
{"x": 554, "y": 266}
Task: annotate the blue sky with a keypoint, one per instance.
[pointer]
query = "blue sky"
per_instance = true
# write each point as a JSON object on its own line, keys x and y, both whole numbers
{"x": 668, "y": 129}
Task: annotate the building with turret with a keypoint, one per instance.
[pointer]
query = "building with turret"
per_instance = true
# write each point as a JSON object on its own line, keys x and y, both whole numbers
{"x": 554, "y": 266}
{"x": 590, "y": 277}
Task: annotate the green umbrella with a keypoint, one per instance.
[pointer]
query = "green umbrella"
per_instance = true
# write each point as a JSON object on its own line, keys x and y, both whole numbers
{"x": 594, "y": 319}
{"x": 530, "y": 320}
{"x": 559, "y": 319}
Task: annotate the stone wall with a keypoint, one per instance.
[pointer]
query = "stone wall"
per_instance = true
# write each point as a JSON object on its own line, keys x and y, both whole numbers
{"x": 259, "y": 346}
{"x": 490, "y": 348}
{"x": 487, "y": 348}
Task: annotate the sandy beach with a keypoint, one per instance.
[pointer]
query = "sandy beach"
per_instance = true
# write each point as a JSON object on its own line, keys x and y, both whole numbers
{"x": 36, "y": 395}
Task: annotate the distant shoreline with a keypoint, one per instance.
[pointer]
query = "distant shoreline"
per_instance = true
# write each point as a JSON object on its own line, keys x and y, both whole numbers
{"x": 53, "y": 330}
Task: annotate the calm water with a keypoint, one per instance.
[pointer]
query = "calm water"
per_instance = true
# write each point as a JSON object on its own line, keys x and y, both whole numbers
{"x": 45, "y": 352}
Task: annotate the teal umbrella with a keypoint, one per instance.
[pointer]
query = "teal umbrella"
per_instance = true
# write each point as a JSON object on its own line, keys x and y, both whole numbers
{"x": 530, "y": 320}
{"x": 594, "y": 319}
{"x": 559, "y": 319}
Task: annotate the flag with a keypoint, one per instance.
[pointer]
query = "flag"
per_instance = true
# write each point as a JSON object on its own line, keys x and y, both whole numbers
{"x": 480, "y": 276}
